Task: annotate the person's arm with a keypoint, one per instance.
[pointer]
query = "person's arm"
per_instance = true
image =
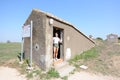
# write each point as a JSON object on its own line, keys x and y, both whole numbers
{"x": 60, "y": 40}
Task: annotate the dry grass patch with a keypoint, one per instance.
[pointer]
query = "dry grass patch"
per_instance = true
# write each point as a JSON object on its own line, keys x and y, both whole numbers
{"x": 103, "y": 58}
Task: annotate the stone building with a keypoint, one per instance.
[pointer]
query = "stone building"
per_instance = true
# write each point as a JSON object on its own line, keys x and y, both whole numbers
{"x": 44, "y": 26}
{"x": 112, "y": 38}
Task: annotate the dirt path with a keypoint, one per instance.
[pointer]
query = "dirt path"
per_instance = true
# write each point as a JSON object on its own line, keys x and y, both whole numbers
{"x": 7, "y": 73}
{"x": 90, "y": 76}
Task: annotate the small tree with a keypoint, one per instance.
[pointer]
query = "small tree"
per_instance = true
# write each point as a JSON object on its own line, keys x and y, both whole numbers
{"x": 119, "y": 39}
{"x": 99, "y": 38}
{"x": 8, "y": 41}
{"x": 90, "y": 36}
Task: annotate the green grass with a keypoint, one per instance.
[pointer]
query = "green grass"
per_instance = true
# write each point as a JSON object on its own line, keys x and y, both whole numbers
{"x": 65, "y": 78}
{"x": 99, "y": 59}
{"x": 8, "y": 51}
{"x": 86, "y": 55}
{"x": 53, "y": 73}
{"x": 33, "y": 73}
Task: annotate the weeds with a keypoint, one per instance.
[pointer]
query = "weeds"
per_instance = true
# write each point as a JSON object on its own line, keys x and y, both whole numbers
{"x": 65, "y": 78}
{"x": 53, "y": 73}
{"x": 101, "y": 59}
{"x": 33, "y": 73}
{"x": 92, "y": 53}
{"x": 89, "y": 54}
{"x": 9, "y": 54}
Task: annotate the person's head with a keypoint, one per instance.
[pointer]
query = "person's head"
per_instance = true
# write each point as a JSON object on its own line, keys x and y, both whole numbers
{"x": 56, "y": 34}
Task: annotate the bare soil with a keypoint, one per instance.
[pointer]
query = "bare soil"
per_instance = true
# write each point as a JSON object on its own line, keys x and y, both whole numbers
{"x": 90, "y": 76}
{"x": 7, "y": 73}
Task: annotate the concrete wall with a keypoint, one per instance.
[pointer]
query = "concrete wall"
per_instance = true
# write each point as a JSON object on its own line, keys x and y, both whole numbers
{"x": 39, "y": 37}
{"x": 49, "y": 44}
{"x": 73, "y": 39}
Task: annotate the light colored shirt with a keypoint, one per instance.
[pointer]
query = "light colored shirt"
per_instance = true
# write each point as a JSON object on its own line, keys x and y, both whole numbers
{"x": 56, "y": 40}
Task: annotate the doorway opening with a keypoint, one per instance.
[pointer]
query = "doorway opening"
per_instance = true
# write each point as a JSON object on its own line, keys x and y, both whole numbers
{"x": 61, "y": 45}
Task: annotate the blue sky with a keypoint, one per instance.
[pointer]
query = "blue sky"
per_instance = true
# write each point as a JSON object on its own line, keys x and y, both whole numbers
{"x": 92, "y": 17}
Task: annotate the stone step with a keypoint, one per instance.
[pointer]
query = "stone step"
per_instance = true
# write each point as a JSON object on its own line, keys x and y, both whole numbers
{"x": 60, "y": 65}
{"x": 64, "y": 68}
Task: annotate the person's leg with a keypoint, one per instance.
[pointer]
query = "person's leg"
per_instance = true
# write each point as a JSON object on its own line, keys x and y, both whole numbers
{"x": 56, "y": 52}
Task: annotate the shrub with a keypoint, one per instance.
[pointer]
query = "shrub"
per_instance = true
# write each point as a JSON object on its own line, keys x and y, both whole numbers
{"x": 119, "y": 39}
{"x": 8, "y": 41}
{"x": 98, "y": 38}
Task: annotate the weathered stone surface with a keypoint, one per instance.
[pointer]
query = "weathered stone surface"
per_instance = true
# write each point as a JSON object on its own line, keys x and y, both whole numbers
{"x": 112, "y": 38}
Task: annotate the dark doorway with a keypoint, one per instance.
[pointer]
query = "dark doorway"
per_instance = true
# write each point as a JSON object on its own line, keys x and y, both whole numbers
{"x": 60, "y": 35}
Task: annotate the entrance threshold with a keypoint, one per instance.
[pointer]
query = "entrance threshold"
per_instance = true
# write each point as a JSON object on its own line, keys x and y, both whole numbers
{"x": 58, "y": 61}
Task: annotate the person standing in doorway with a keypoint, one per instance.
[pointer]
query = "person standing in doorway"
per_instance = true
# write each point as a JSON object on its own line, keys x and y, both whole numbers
{"x": 56, "y": 41}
